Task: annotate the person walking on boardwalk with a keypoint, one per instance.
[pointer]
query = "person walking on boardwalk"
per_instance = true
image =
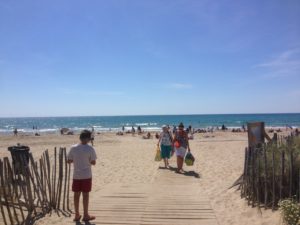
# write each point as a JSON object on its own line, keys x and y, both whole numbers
{"x": 82, "y": 156}
{"x": 181, "y": 144}
{"x": 166, "y": 145}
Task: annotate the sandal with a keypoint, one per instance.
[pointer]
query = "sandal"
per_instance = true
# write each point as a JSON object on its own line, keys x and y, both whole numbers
{"x": 77, "y": 218}
{"x": 181, "y": 171}
{"x": 89, "y": 218}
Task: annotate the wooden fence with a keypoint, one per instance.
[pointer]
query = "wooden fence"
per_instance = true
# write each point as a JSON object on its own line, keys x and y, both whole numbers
{"x": 272, "y": 172}
{"x": 34, "y": 189}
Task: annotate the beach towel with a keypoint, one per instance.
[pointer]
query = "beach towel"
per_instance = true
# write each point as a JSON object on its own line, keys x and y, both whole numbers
{"x": 189, "y": 159}
{"x": 157, "y": 155}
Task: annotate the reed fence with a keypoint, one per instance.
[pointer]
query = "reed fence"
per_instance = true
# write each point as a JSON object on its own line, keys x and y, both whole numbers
{"x": 272, "y": 172}
{"x": 34, "y": 189}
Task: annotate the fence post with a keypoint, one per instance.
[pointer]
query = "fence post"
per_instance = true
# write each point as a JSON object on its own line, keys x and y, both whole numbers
{"x": 253, "y": 177}
{"x": 266, "y": 176}
{"x": 2, "y": 194}
{"x": 5, "y": 194}
{"x": 66, "y": 176}
{"x": 282, "y": 174}
{"x": 291, "y": 173}
{"x": 273, "y": 179}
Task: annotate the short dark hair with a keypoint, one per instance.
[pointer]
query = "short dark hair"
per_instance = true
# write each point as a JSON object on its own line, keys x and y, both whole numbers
{"x": 85, "y": 134}
{"x": 181, "y": 125}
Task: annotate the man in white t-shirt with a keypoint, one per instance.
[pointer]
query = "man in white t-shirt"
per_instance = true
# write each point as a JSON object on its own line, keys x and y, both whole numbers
{"x": 83, "y": 156}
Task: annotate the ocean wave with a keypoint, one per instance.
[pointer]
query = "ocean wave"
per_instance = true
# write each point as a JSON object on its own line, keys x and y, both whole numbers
{"x": 4, "y": 131}
{"x": 77, "y": 130}
{"x": 142, "y": 124}
{"x": 49, "y": 130}
{"x": 147, "y": 123}
{"x": 152, "y": 128}
{"x": 107, "y": 129}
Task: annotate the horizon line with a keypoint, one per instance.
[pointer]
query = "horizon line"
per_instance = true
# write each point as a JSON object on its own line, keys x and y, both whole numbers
{"x": 192, "y": 114}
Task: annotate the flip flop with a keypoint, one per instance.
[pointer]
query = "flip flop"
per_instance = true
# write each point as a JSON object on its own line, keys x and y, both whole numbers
{"x": 89, "y": 218}
{"x": 77, "y": 218}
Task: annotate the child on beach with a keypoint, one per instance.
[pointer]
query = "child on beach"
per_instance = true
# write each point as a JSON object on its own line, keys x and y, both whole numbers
{"x": 82, "y": 156}
{"x": 166, "y": 146}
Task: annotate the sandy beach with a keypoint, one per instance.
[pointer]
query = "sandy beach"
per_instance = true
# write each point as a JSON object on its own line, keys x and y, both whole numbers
{"x": 130, "y": 160}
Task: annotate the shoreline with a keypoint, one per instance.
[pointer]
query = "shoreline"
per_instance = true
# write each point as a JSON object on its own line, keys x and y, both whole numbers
{"x": 76, "y": 130}
{"x": 148, "y": 123}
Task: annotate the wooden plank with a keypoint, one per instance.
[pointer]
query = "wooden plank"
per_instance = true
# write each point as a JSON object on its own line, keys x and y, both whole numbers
{"x": 3, "y": 218}
{"x": 266, "y": 177}
{"x": 160, "y": 203}
{"x": 273, "y": 180}
{"x": 65, "y": 176}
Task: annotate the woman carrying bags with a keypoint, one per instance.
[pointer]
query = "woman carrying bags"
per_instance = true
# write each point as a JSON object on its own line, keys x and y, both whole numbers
{"x": 166, "y": 145}
{"x": 181, "y": 144}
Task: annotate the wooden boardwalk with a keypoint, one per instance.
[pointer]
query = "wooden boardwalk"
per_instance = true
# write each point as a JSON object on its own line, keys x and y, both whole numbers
{"x": 171, "y": 199}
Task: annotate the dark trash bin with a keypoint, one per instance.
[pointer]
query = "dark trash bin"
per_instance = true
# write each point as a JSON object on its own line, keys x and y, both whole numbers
{"x": 20, "y": 157}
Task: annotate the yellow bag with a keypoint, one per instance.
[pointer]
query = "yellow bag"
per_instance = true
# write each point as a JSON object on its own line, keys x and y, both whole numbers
{"x": 157, "y": 156}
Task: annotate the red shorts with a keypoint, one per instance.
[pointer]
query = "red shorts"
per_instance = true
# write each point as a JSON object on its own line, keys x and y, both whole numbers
{"x": 84, "y": 185}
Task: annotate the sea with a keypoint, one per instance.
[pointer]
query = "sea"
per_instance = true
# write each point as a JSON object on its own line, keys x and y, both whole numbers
{"x": 147, "y": 123}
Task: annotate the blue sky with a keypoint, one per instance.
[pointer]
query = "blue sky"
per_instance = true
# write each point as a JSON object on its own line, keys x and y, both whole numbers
{"x": 117, "y": 57}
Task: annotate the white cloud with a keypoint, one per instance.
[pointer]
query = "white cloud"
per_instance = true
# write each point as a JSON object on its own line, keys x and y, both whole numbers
{"x": 180, "y": 86}
{"x": 284, "y": 64}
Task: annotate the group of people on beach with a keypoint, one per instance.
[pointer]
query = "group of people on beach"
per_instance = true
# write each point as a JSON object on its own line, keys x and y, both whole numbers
{"x": 170, "y": 142}
{"x": 177, "y": 143}
{"x": 83, "y": 156}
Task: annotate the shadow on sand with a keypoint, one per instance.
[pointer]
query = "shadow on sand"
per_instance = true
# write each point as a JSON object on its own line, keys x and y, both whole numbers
{"x": 185, "y": 173}
{"x": 84, "y": 223}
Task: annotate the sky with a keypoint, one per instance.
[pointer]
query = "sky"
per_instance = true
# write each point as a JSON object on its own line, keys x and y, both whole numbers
{"x": 119, "y": 57}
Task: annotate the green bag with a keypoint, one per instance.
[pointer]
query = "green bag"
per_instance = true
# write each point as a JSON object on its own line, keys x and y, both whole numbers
{"x": 157, "y": 155}
{"x": 189, "y": 159}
